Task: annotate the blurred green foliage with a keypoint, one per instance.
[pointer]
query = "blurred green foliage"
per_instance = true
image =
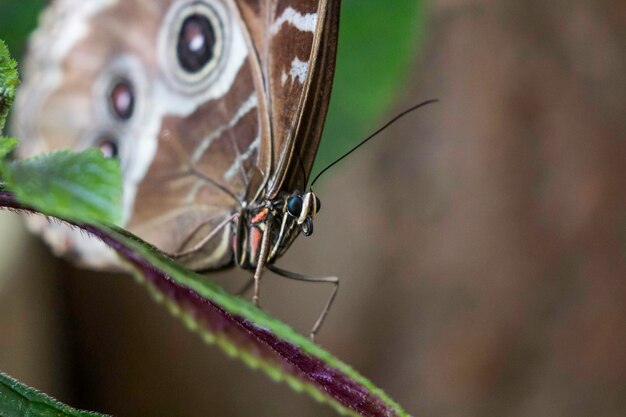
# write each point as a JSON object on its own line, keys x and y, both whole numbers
{"x": 17, "y": 20}
{"x": 378, "y": 42}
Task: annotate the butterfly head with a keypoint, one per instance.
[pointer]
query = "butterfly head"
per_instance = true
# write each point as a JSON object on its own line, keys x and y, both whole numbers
{"x": 304, "y": 207}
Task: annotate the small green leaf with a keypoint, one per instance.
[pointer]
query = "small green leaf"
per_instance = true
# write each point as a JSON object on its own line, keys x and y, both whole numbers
{"x": 19, "y": 400}
{"x": 9, "y": 80}
{"x": 6, "y": 146}
{"x": 83, "y": 187}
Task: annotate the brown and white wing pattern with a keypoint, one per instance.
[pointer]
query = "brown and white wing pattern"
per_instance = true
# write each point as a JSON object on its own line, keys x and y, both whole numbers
{"x": 210, "y": 105}
{"x": 295, "y": 41}
{"x": 172, "y": 88}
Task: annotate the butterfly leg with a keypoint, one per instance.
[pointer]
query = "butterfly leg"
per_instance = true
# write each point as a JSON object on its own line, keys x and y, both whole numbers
{"x": 300, "y": 277}
{"x": 261, "y": 263}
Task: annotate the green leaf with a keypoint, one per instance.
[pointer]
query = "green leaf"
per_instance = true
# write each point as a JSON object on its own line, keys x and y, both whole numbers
{"x": 9, "y": 79}
{"x": 84, "y": 187}
{"x": 6, "y": 146}
{"x": 19, "y": 400}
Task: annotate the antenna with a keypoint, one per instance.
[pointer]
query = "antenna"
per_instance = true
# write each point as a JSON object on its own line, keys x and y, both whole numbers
{"x": 364, "y": 141}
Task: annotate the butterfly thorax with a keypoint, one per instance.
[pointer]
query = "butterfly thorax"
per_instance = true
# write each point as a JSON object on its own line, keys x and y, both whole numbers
{"x": 277, "y": 221}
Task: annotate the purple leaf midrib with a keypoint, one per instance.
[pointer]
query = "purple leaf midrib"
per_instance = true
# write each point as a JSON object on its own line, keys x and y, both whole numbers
{"x": 243, "y": 332}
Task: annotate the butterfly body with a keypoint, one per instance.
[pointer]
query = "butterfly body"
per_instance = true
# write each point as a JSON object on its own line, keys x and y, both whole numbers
{"x": 279, "y": 220}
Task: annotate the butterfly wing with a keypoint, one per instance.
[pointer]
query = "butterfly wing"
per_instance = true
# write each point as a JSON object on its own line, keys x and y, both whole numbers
{"x": 295, "y": 42}
{"x": 192, "y": 145}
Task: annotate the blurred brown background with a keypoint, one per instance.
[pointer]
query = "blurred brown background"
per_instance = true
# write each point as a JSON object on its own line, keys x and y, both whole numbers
{"x": 480, "y": 242}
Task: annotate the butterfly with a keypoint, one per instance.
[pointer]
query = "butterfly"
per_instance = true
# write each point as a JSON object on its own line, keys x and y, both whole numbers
{"x": 215, "y": 109}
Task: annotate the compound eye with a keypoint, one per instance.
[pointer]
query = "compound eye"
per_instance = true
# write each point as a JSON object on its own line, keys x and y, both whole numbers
{"x": 294, "y": 205}
{"x": 318, "y": 205}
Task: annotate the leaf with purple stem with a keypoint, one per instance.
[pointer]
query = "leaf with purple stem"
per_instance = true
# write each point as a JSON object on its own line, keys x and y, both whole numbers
{"x": 242, "y": 330}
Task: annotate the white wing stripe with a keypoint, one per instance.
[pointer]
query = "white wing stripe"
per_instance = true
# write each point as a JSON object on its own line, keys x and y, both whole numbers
{"x": 304, "y": 23}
